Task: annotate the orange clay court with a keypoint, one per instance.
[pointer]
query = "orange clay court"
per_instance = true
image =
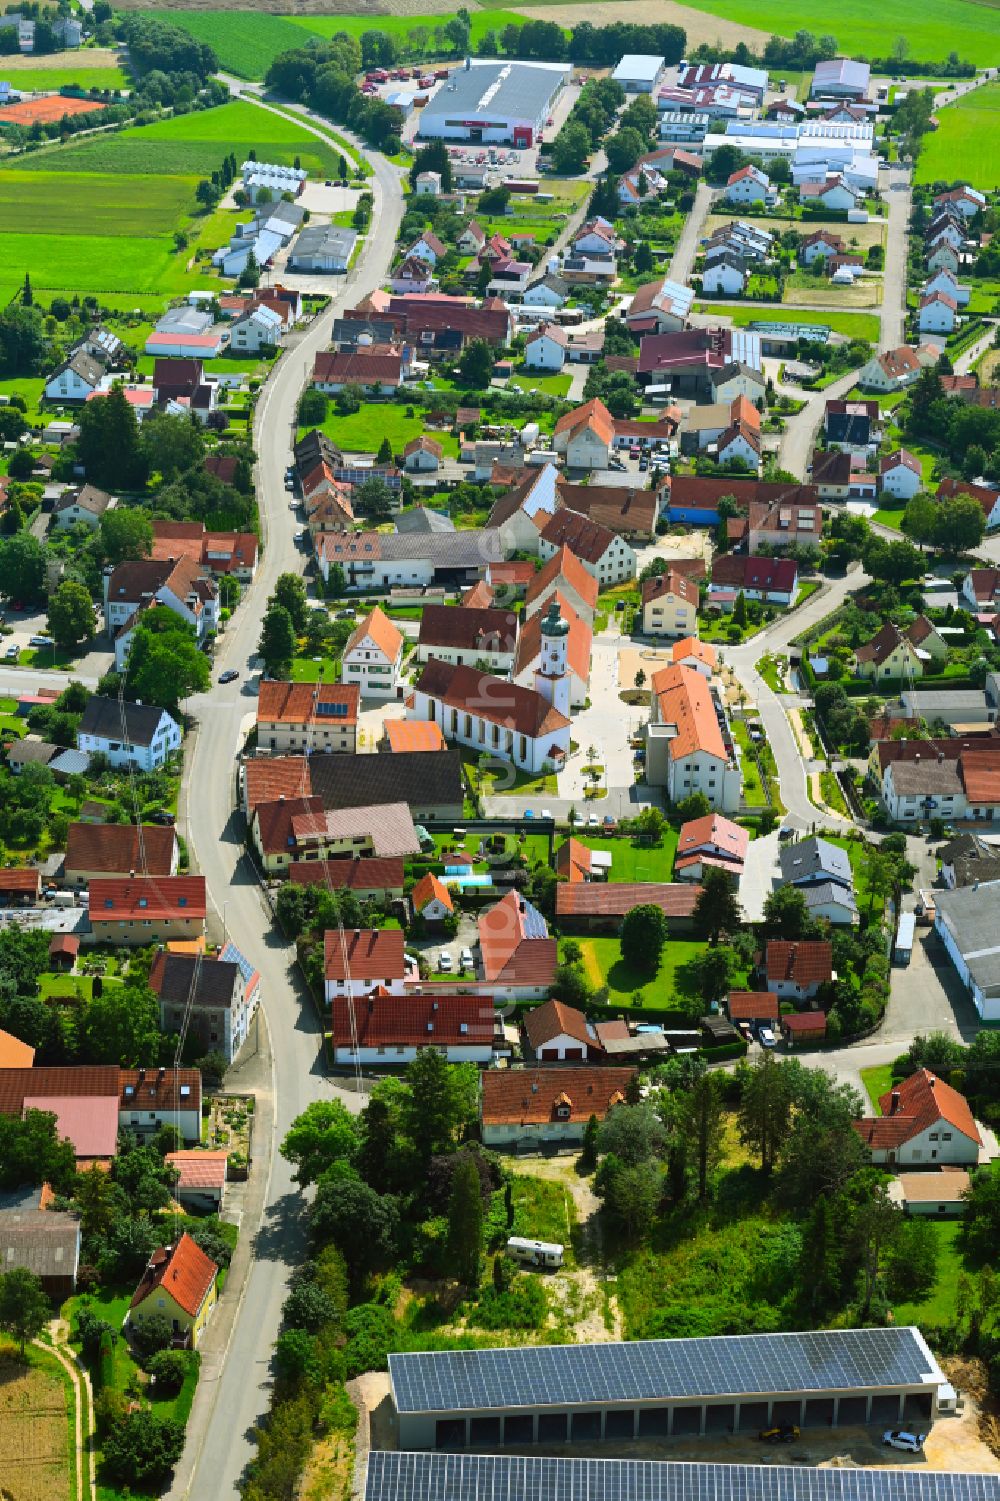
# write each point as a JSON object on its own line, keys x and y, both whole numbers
{"x": 43, "y": 111}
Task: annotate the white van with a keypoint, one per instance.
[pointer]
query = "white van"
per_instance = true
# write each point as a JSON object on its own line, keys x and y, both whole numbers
{"x": 534, "y": 1252}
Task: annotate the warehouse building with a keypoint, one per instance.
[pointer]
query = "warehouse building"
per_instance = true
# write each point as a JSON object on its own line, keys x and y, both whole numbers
{"x": 494, "y": 103}
{"x": 639, "y": 72}
{"x": 548, "y": 1394}
{"x": 507, "y": 1477}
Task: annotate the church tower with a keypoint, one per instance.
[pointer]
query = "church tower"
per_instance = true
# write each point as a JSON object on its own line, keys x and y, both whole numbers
{"x": 551, "y": 679}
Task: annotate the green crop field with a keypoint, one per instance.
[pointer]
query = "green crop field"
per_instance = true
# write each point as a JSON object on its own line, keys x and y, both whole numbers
{"x": 932, "y": 30}
{"x": 46, "y": 203}
{"x": 245, "y": 42}
{"x": 401, "y": 26}
{"x": 94, "y": 263}
{"x": 965, "y": 144}
{"x": 194, "y": 145}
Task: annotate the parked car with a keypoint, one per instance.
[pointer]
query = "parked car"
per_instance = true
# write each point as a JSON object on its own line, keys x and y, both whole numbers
{"x": 466, "y": 959}
{"x": 444, "y": 961}
{"x": 593, "y": 822}
{"x": 779, "y": 1433}
{"x": 766, "y": 1037}
{"x": 301, "y": 534}
{"x": 229, "y": 676}
{"x": 12, "y": 653}
{"x": 162, "y": 816}
{"x": 41, "y": 641}
{"x": 910, "y": 1443}
{"x": 547, "y": 813}
{"x": 347, "y": 614}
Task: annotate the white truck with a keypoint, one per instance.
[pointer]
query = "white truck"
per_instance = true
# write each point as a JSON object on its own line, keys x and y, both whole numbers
{"x": 534, "y": 1252}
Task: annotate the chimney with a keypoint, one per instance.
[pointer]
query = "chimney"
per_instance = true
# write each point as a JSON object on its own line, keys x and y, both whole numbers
{"x": 931, "y": 1080}
{"x": 894, "y": 1102}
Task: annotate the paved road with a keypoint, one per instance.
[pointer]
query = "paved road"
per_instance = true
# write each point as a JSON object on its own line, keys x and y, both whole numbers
{"x": 799, "y": 437}
{"x": 894, "y": 277}
{"x": 236, "y": 1394}
{"x": 686, "y": 249}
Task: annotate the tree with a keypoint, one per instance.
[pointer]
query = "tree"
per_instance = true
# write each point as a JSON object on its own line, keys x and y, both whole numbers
{"x": 643, "y": 259}
{"x": 24, "y": 348}
{"x": 631, "y": 1134}
{"x": 168, "y": 1369}
{"x": 172, "y": 445}
{"x": 430, "y": 158}
{"x": 881, "y": 871}
{"x": 740, "y": 610}
{"x": 125, "y": 534}
{"x": 290, "y": 594}
{"x": 765, "y": 1109}
{"x": 360, "y": 1222}
{"x": 143, "y": 1448}
{"x": 109, "y": 446}
{"x": 22, "y": 566}
{"x": 960, "y": 523}
{"x": 786, "y": 914}
{"x": 630, "y": 1195}
{"x": 71, "y": 614}
{"x": 249, "y": 277}
{"x": 475, "y": 364}
{"x": 465, "y": 1223}
{"x": 981, "y": 1225}
{"x": 717, "y": 909}
{"x": 701, "y": 1124}
{"x": 820, "y": 1261}
{"x": 913, "y": 1260}
{"x": 644, "y": 932}
{"x": 31, "y": 1151}
{"x": 96, "y": 1201}
{"x": 624, "y": 149}
{"x": 873, "y": 1228}
{"x": 439, "y": 1104}
{"x": 324, "y": 1133}
{"x": 121, "y": 1025}
{"x": 165, "y": 664}
{"x": 277, "y": 641}
{"x": 313, "y": 406}
{"x": 384, "y": 455}
{"x": 708, "y": 976}
{"x": 920, "y": 520}
{"x": 571, "y": 149}
{"x": 24, "y": 1307}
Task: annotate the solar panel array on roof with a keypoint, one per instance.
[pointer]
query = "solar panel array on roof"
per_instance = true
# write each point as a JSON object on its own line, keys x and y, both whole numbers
{"x": 470, "y": 1477}
{"x": 660, "y": 1370}
{"x": 535, "y": 925}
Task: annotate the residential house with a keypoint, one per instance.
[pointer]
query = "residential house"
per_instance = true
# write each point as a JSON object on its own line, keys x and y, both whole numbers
{"x": 889, "y": 654}
{"x": 179, "y": 1284}
{"x": 900, "y": 474}
{"x": 413, "y": 275}
{"x": 378, "y": 368}
{"x": 216, "y": 998}
{"x": 550, "y": 1107}
{"x": 937, "y": 313}
{"x": 942, "y": 256}
{"x": 428, "y": 184}
{"x": 551, "y": 292}
{"x": 946, "y": 282}
{"x": 830, "y": 472}
{"x": 710, "y": 842}
{"x": 41, "y": 1241}
{"x": 85, "y": 506}
{"x": 575, "y": 861}
{"x": 146, "y": 909}
{"x": 823, "y": 242}
{"x": 563, "y": 575}
{"x": 140, "y": 1100}
{"x": 182, "y": 383}
{"x": 753, "y": 1008}
{"x": 518, "y": 959}
{"x": 605, "y": 555}
{"x": 233, "y": 553}
{"x": 300, "y": 829}
{"x": 428, "y": 248}
{"x": 697, "y": 656}
{"x": 772, "y": 581}
{"x": 380, "y": 560}
{"x": 740, "y": 443}
{"x": 431, "y": 900}
{"x": 892, "y": 371}
{"x": 422, "y": 455}
{"x": 725, "y": 276}
{"x": 139, "y": 735}
{"x": 529, "y": 656}
{"x": 116, "y": 849}
{"x": 545, "y": 349}
{"x": 596, "y": 237}
{"x": 256, "y": 331}
{"x": 373, "y": 657}
{"x": 428, "y": 782}
{"x": 633, "y": 513}
{"x": 584, "y": 436}
{"x": 659, "y": 307}
{"x": 980, "y": 589}
{"x": 179, "y": 584}
{"x": 307, "y": 717}
{"x": 795, "y": 971}
{"x": 601, "y": 907}
{"x": 201, "y": 1179}
{"x": 487, "y": 714}
{"x": 472, "y": 239}
{"x": 557, "y": 1033}
{"x": 987, "y": 496}
{"x": 924, "y": 1122}
{"x": 383, "y": 1030}
{"x": 968, "y": 201}
{"x": 669, "y": 605}
{"x": 788, "y": 523}
{"x": 75, "y": 379}
{"x": 361, "y": 960}
{"x": 835, "y": 193}
{"x": 851, "y": 424}
{"x": 832, "y": 903}
{"x": 748, "y": 185}
{"x": 687, "y": 744}
{"x": 815, "y": 862}
{"x": 484, "y": 638}
{"x": 509, "y": 278}
{"x": 370, "y": 877}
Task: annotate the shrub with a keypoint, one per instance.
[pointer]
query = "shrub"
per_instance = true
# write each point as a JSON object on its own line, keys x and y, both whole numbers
{"x": 152, "y": 1335}
{"x": 168, "y": 1369}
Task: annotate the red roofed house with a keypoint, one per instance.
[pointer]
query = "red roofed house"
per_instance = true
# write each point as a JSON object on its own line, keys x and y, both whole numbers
{"x": 379, "y": 878}
{"x": 670, "y": 605}
{"x": 307, "y": 717}
{"x": 802, "y": 1028}
{"x": 147, "y": 909}
{"x": 988, "y": 497}
{"x": 585, "y": 435}
{"x": 753, "y": 1006}
{"x": 380, "y": 365}
{"x": 710, "y": 841}
{"x": 795, "y": 971}
{"x": 773, "y": 581}
{"x": 367, "y": 959}
{"x": 20, "y": 886}
{"x": 94, "y": 850}
{"x": 900, "y": 474}
{"x": 592, "y": 907}
{"x": 924, "y": 1123}
{"x": 179, "y": 1285}
{"x": 90, "y": 1123}
{"x": 14, "y": 1053}
{"x": 687, "y": 748}
{"x": 577, "y": 862}
{"x": 558, "y": 1033}
{"x": 563, "y": 574}
{"x": 518, "y": 958}
{"x": 373, "y": 656}
{"x": 389, "y": 1030}
{"x": 548, "y": 1106}
{"x": 432, "y": 899}
{"x": 201, "y": 1182}
{"x": 422, "y": 454}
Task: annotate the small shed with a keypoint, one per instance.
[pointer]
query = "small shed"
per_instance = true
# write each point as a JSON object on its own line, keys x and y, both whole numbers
{"x": 933, "y": 1194}
{"x": 803, "y": 1028}
{"x": 63, "y": 950}
{"x": 903, "y": 947}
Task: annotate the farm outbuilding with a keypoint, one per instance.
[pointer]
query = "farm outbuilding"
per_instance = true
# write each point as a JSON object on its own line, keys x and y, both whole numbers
{"x": 552, "y": 1394}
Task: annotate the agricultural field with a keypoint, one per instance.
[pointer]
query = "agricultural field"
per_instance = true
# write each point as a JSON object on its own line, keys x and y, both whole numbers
{"x": 35, "y": 1431}
{"x": 964, "y": 147}
{"x": 857, "y": 236}
{"x": 700, "y": 27}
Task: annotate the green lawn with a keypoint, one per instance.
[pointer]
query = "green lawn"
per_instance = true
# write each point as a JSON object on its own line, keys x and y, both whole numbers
{"x": 605, "y": 966}
{"x": 549, "y": 385}
{"x": 363, "y": 430}
{"x": 877, "y": 1081}
{"x": 310, "y": 670}
{"x": 65, "y": 987}
{"x": 853, "y": 325}
{"x": 893, "y": 519}
{"x": 857, "y": 853}
{"x": 80, "y": 74}
{"x": 938, "y": 1307}
{"x": 964, "y": 147}
{"x": 631, "y": 862}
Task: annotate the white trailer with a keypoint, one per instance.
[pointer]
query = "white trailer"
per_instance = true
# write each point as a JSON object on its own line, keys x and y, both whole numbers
{"x": 534, "y": 1252}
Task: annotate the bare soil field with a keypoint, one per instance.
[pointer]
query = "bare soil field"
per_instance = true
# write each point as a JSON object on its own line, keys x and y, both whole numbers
{"x": 859, "y": 236}
{"x": 33, "y": 1435}
{"x": 83, "y": 59}
{"x": 699, "y": 27}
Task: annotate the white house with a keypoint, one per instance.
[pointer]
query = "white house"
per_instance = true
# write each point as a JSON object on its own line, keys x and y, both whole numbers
{"x": 605, "y": 554}
{"x": 938, "y": 313}
{"x": 431, "y": 899}
{"x": 900, "y": 475}
{"x": 924, "y": 1123}
{"x": 835, "y": 193}
{"x": 727, "y": 275}
{"x": 373, "y": 657}
{"x": 795, "y": 971}
{"x": 139, "y": 735}
{"x": 585, "y": 435}
{"x": 558, "y": 1033}
{"x": 488, "y": 714}
{"x": 892, "y": 371}
{"x": 387, "y": 1031}
{"x": 550, "y": 292}
{"x": 670, "y": 605}
{"x": 86, "y": 505}
{"x": 75, "y": 379}
{"x": 942, "y": 256}
{"x": 365, "y": 960}
{"x": 688, "y": 747}
{"x": 428, "y": 184}
{"x": 945, "y": 281}
{"x": 823, "y": 243}
{"x": 748, "y": 185}
{"x": 181, "y": 586}
{"x": 545, "y": 349}
{"x": 967, "y": 201}
{"x": 596, "y": 237}
{"x": 422, "y": 455}
{"x": 256, "y": 330}
{"x": 428, "y": 248}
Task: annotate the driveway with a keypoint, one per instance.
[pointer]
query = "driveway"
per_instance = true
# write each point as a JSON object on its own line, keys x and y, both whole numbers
{"x": 682, "y": 262}
{"x": 894, "y": 278}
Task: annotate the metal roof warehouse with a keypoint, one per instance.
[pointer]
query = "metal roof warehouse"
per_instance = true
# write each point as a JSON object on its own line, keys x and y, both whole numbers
{"x": 494, "y": 102}
{"x": 652, "y": 1388}
{"x": 507, "y": 1477}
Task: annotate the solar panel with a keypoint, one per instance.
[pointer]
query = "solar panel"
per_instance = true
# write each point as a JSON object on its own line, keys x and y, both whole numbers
{"x": 471, "y": 1477}
{"x": 535, "y": 925}
{"x": 658, "y": 1370}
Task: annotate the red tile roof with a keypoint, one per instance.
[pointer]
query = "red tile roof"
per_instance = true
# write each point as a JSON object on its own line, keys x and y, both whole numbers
{"x": 274, "y": 821}
{"x": 20, "y": 879}
{"x": 980, "y": 773}
{"x": 807, "y": 963}
{"x": 510, "y": 955}
{"x": 14, "y": 1053}
{"x": 370, "y": 873}
{"x": 615, "y": 898}
{"x": 380, "y": 629}
{"x": 529, "y": 1096}
{"x": 587, "y": 539}
{"x": 466, "y": 628}
{"x": 715, "y": 833}
{"x": 266, "y": 778}
{"x": 435, "y": 1020}
{"x": 740, "y": 572}
{"x": 113, "y": 848}
{"x": 926, "y": 1099}
{"x": 564, "y": 565}
{"x": 379, "y": 364}
{"x": 491, "y": 698}
{"x": 89, "y": 1122}
{"x": 429, "y": 889}
{"x": 406, "y": 735}
{"x": 579, "y": 643}
{"x": 307, "y": 703}
{"x": 556, "y": 1019}
{"x": 372, "y": 953}
{"x": 147, "y": 897}
{"x": 809, "y": 1022}
{"x": 748, "y": 1005}
{"x": 593, "y": 414}
{"x": 573, "y": 860}
{"x": 198, "y": 1169}
{"x": 684, "y": 700}
{"x": 184, "y": 1272}
{"x": 64, "y": 944}
{"x": 679, "y": 584}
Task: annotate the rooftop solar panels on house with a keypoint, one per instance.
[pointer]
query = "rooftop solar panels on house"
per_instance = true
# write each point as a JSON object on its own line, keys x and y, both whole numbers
{"x": 476, "y": 1477}
{"x": 452, "y": 1381}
